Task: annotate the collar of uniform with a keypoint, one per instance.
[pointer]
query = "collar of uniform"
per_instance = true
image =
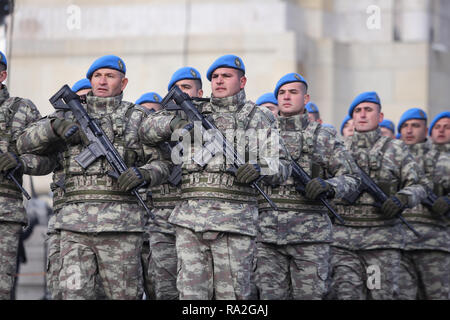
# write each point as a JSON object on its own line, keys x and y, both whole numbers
{"x": 293, "y": 123}
{"x": 101, "y": 105}
{"x": 366, "y": 139}
{"x": 4, "y": 94}
{"x": 227, "y": 104}
{"x": 421, "y": 148}
{"x": 442, "y": 147}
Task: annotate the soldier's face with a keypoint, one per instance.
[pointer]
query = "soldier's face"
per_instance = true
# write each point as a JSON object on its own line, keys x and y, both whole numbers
{"x": 414, "y": 131}
{"x": 367, "y": 116}
{"x": 348, "y": 129}
{"x": 272, "y": 107}
{"x": 292, "y": 99}
{"x": 152, "y": 106}
{"x": 386, "y": 132}
{"x": 440, "y": 134}
{"x": 108, "y": 82}
{"x": 225, "y": 82}
{"x": 189, "y": 87}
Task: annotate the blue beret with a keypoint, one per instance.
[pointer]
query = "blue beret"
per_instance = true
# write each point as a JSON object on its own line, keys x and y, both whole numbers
{"x": 445, "y": 114}
{"x": 347, "y": 117}
{"x": 311, "y": 107}
{"x": 414, "y": 113}
{"x": 3, "y": 59}
{"x": 398, "y": 136}
{"x": 149, "y": 97}
{"x": 290, "y": 77}
{"x": 81, "y": 84}
{"x": 267, "y": 98}
{"x": 184, "y": 73}
{"x": 370, "y": 96}
{"x": 226, "y": 61}
{"x": 388, "y": 124}
{"x": 108, "y": 61}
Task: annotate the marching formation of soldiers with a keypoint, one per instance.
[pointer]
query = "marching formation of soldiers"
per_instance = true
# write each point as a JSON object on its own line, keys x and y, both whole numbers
{"x": 265, "y": 203}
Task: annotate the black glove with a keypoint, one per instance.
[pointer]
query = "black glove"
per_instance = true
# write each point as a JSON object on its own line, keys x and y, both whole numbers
{"x": 133, "y": 177}
{"x": 8, "y": 161}
{"x": 441, "y": 206}
{"x": 248, "y": 173}
{"x": 316, "y": 187}
{"x": 67, "y": 130}
{"x": 393, "y": 206}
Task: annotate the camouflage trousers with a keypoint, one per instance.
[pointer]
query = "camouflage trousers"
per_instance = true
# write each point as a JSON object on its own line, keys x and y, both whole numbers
{"x": 427, "y": 275}
{"x": 114, "y": 256}
{"x": 365, "y": 274}
{"x": 293, "y": 271}
{"x": 163, "y": 265}
{"x": 53, "y": 265}
{"x": 9, "y": 245}
{"x": 214, "y": 265}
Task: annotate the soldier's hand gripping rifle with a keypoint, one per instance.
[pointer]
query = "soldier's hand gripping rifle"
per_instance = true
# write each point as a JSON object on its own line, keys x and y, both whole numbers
{"x": 185, "y": 104}
{"x": 99, "y": 144}
{"x": 10, "y": 175}
{"x": 302, "y": 178}
{"x": 368, "y": 185}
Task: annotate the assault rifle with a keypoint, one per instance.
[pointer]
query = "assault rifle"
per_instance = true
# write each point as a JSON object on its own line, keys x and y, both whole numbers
{"x": 10, "y": 175}
{"x": 368, "y": 185}
{"x": 185, "y": 104}
{"x": 302, "y": 178}
{"x": 99, "y": 144}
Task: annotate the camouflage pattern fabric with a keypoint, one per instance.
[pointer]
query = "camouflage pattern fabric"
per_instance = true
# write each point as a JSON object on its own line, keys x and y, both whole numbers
{"x": 9, "y": 242}
{"x": 430, "y": 277}
{"x": 214, "y": 265}
{"x": 287, "y": 234}
{"x": 427, "y": 259}
{"x": 145, "y": 258}
{"x": 297, "y": 271}
{"x": 53, "y": 264}
{"x": 390, "y": 164}
{"x": 365, "y": 274}
{"x": 163, "y": 265}
{"x": 115, "y": 257}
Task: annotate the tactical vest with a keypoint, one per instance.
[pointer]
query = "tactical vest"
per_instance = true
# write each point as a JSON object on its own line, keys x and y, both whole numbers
{"x": 300, "y": 144}
{"x": 426, "y": 158}
{"x": 364, "y": 212}
{"x": 93, "y": 183}
{"x": 7, "y": 144}
{"x": 213, "y": 182}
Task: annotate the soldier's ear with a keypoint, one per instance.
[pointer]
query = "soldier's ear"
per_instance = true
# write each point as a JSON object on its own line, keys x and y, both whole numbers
{"x": 243, "y": 81}
{"x": 381, "y": 117}
{"x": 200, "y": 93}
{"x": 123, "y": 83}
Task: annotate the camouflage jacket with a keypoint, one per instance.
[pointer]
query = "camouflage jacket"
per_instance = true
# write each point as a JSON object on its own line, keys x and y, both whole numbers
{"x": 390, "y": 164}
{"x": 92, "y": 201}
{"x": 212, "y": 200}
{"x": 321, "y": 153}
{"x": 435, "y": 161}
{"x": 15, "y": 114}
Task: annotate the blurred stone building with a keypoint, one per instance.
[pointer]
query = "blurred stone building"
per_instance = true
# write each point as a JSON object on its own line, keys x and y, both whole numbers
{"x": 399, "y": 48}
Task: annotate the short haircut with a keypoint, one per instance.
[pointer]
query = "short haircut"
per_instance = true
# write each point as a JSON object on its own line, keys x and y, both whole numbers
{"x": 2, "y": 67}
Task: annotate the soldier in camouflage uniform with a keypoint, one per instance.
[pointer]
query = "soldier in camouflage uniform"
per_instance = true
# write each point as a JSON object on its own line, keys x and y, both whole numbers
{"x": 428, "y": 258}
{"x": 163, "y": 257}
{"x": 101, "y": 222}
{"x": 216, "y": 219}
{"x": 15, "y": 114}
{"x": 293, "y": 247}
{"x": 366, "y": 252}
